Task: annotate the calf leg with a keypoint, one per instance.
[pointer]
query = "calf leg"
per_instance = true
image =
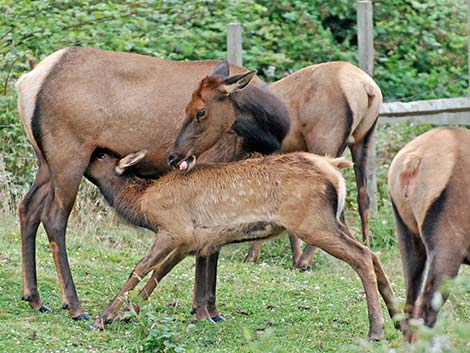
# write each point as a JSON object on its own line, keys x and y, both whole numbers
{"x": 253, "y": 252}
{"x": 160, "y": 250}
{"x": 304, "y": 262}
{"x": 359, "y": 258}
{"x": 161, "y": 271}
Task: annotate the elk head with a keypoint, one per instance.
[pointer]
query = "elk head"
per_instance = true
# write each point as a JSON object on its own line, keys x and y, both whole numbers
{"x": 224, "y": 105}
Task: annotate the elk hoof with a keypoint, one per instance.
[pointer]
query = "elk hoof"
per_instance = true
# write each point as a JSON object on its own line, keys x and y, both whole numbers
{"x": 26, "y": 298}
{"x": 193, "y": 310}
{"x": 95, "y": 327}
{"x": 82, "y": 317}
{"x": 65, "y": 306}
{"x": 302, "y": 267}
{"x": 373, "y": 339}
{"x": 218, "y": 318}
{"x": 210, "y": 320}
{"x": 44, "y": 309}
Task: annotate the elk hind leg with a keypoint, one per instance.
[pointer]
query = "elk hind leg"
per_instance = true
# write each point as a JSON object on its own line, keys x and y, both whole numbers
{"x": 360, "y": 151}
{"x": 359, "y": 257}
{"x": 29, "y": 213}
{"x": 413, "y": 257}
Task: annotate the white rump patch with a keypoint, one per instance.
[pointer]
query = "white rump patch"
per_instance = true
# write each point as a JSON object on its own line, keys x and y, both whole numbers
{"x": 28, "y": 86}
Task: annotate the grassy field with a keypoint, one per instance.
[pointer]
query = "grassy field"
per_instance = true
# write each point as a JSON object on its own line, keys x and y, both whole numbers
{"x": 268, "y": 306}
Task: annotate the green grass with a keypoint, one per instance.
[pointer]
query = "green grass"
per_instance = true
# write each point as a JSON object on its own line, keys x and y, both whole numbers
{"x": 268, "y": 307}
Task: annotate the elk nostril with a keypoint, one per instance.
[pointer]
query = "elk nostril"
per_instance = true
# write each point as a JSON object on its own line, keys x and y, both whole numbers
{"x": 171, "y": 161}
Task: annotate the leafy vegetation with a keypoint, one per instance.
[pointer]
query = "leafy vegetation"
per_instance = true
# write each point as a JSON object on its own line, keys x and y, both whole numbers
{"x": 420, "y": 47}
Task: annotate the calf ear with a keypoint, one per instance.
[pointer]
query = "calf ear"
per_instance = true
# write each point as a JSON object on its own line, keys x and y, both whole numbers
{"x": 237, "y": 82}
{"x": 130, "y": 160}
{"x": 222, "y": 70}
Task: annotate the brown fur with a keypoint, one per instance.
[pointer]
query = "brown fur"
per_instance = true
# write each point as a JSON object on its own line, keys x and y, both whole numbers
{"x": 429, "y": 185}
{"x": 219, "y": 204}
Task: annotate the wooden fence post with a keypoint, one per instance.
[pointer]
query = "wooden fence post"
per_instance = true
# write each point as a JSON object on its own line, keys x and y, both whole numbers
{"x": 234, "y": 44}
{"x": 365, "y": 39}
{"x": 468, "y": 45}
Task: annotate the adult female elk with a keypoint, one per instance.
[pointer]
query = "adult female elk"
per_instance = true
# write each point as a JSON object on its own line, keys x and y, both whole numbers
{"x": 331, "y": 106}
{"x": 430, "y": 189}
{"x": 218, "y": 204}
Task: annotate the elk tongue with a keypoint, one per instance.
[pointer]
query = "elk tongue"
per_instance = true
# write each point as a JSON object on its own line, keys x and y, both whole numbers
{"x": 184, "y": 165}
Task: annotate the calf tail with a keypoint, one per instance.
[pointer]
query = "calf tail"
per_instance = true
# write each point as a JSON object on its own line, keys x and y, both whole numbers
{"x": 340, "y": 163}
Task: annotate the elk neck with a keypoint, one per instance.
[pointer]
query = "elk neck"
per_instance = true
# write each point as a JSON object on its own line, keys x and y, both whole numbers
{"x": 124, "y": 193}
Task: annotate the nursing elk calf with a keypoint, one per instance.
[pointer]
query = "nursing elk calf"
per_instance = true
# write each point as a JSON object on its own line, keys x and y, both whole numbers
{"x": 218, "y": 204}
{"x": 429, "y": 185}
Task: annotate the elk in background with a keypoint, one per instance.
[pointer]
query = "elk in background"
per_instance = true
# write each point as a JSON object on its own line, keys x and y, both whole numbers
{"x": 429, "y": 185}
{"x": 219, "y": 204}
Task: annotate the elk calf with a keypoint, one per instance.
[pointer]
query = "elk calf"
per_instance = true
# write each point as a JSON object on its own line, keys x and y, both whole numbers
{"x": 430, "y": 189}
{"x": 218, "y": 204}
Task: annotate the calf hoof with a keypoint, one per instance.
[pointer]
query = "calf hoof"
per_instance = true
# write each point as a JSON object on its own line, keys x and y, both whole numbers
{"x": 96, "y": 327}
{"x": 251, "y": 258}
{"x": 209, "y": 320}
{"x": 374, "y": 339}
{"x": 218, "y": 318}
{"x": 193, "y": 310}
{"x": 82, "y": 317}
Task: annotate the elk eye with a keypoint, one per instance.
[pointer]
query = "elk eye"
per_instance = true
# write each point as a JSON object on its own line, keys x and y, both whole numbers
{"x": 200, "y": 113}
{"x": 100, "y": 155}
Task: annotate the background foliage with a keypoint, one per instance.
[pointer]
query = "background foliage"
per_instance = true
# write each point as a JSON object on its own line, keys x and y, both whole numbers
{"x": 420, "y": 46}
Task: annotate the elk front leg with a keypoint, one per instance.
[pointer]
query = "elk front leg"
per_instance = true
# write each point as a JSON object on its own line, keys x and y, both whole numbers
{"x": 211, "y": 277}
{"x": 54, "y": 217}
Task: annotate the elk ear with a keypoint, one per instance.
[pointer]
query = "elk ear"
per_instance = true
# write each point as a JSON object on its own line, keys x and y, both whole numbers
{"x": 222, "y": 70}
{"x": 236, "y": 83}
{"x": 130, "y": 160}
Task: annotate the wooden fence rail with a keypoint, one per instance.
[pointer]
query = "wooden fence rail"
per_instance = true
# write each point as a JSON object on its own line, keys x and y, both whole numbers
{"x": 443, "y": 111}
